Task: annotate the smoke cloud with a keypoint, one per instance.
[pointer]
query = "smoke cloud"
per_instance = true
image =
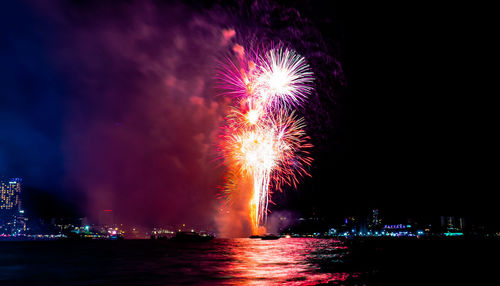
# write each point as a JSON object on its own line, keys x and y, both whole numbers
{"x": 142, "y": 115}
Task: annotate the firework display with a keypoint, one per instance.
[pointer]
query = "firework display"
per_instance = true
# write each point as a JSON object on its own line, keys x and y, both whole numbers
{"x": 263, "y": 141}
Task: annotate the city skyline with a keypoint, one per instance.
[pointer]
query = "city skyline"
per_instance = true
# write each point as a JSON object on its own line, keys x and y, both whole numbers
{"x": 14, "y": 220}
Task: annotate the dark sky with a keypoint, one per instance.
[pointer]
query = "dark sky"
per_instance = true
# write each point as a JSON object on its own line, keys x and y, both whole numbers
{"x": 415, "y": 127}
{"x": 113, "y": 106}
{"x": 421, "y": 129}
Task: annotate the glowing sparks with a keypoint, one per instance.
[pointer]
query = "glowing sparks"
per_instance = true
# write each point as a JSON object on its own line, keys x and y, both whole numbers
{"x": 252, "y": 116}
{"x": 284, "y": 77}
{"x": 262, "y": 140}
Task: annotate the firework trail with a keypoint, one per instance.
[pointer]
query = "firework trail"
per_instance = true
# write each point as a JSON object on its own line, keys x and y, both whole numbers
{"x": 263, "y": 140}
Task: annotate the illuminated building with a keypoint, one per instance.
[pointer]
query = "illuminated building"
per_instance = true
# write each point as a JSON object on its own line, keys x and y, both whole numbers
{"x": 356, "y": 225}
{"x": 374, "y": 221}
{"x": 10, "y": 195}
{"x": 451, "y": 224}
{"x": 12, "y": 220}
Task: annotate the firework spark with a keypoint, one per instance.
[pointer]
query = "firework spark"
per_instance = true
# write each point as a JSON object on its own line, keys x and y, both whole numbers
{"x": 263, "y": 141}
{"x": 284, "y": 78}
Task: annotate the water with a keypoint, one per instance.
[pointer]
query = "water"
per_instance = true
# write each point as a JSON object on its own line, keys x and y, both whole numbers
{"x": 294, "y": 261}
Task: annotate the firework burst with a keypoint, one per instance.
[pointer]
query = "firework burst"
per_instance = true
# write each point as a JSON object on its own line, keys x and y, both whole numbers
{"x": 284, "y": 78}
{"x": 263, "y": 140}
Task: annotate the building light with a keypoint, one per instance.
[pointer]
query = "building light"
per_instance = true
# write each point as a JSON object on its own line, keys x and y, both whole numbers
{"x": 453, "y": 233}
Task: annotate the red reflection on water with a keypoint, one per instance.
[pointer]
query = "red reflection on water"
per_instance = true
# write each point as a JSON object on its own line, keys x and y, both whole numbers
{"x": 293, "y": 261}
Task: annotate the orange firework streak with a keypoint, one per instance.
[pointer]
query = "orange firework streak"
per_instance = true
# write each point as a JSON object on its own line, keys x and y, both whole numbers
{"x": 263, "y": 138}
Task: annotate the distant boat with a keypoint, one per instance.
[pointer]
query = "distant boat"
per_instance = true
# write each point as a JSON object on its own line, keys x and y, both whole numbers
{"x": 270, "y": 237}
{"x": 255, "y": 236}
{"x": 191, "y": 236}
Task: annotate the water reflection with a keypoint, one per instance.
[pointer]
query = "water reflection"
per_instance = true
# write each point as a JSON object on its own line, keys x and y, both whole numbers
{"x": 295, "y": 261}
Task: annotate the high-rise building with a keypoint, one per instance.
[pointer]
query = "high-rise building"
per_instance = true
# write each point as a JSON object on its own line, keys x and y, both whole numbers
{"x": 374, "y": 221}
{"x": 451, "y": 223}
{"x": 11, "y": 215}
{"x": 10, "y": 195}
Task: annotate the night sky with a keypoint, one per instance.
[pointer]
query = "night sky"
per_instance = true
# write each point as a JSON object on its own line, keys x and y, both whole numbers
{"x": 114, "y": 106}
